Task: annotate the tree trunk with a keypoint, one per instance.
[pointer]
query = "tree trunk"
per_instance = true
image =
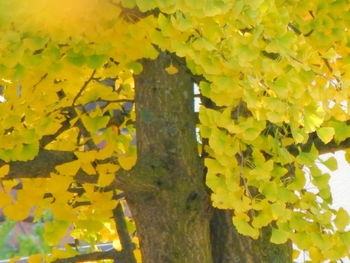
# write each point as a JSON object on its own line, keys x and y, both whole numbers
{"x": 168, "y": 197}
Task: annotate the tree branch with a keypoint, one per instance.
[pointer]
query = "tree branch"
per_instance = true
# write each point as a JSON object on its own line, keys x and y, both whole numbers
{"x": 40, "y": 80}
{"x": 323, "y": 148}
{"x": 84, "y": 87}
{"x": 40, "y": 166}
{"x": 46, "y": 161}
{"x": 45, "y": 140}
{"x": 123, "y": 234}
{"x": 112, "y": 254}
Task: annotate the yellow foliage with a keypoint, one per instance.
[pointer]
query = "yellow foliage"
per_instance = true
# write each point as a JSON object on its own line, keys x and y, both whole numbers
{"x": 276, "y": 72}
{"x": 4, "y": 170}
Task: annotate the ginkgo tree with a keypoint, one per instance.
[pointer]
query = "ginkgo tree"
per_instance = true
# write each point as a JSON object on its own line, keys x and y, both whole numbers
{"x": 98, "y": 119}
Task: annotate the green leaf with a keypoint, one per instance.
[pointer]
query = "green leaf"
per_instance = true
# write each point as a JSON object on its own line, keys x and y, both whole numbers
{"x": 269, "y": 189}
{"x": 205, "y": 88}
{"x": 306, "y": 158}
{"x": 326, "y": 134}
{"x": 145, "y": 5}
{"x": 345, "y": 237}
{"x": 319, "y": 241}
{"x": 299, "y": 180}
{"x": 321, "y": 181}
{"x": 302, "y": 240}
{"x": 299, "y": 135}
{"x": 93, "y": 124}
{"x": 263, "y": 218}
{"x": 29, "y": 151}
{"x": 251, "y": 134}
{"x": 244, "y": 228}
{"x": 342, "y": 219}
{"x": 217, "y": 140}
{"x": 331, "y": 163}
{"x": 342, "y": 130}
{"x": 76, "y": 59}
{"x": 181, "y": 22}
{"x": 286, "y": 195}
{"x": 19, "y": 71}
{"x": 279, "y": 236}
{"x": 95, "y": 61}
{"x": 135, "y": 66}
{"x": 55, "y": 231}
{"x": 326, "y": 195}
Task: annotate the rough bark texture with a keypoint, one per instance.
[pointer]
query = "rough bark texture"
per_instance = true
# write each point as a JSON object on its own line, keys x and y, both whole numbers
{"x": 168, "y": 199}
{"x": 167, "y": 194}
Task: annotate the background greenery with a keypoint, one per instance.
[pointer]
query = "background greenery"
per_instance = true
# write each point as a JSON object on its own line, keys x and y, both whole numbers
{"x": 27, "y": 244}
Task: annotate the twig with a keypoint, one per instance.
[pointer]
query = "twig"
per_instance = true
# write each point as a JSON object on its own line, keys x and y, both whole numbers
{"x": 327, "y": 64}
{"x": 40, "y": 80}
{"x": 45, "y": 140}
{"x": 317, "y": 73}
{"x": 112, "y": 254}
{"x": 115, "y": 101}
{"x": 84, "y": 87}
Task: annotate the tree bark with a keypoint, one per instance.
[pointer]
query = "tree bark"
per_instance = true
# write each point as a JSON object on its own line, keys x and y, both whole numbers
{"x": 167, "y": 194}
{"x": 167, "y": 197}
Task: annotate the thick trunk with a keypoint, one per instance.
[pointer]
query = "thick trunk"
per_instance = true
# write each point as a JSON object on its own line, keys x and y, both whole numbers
{"x": 171, "y": 227}
{"x": 168, "y": 197}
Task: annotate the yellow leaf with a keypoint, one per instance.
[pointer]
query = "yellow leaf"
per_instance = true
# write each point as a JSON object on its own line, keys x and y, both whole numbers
{"x": 295, "y": 254}
{"x": 58, "y": 253}
{"x": 65, "y": 141}
{"x": 5, "y": 199}
{"x": 347, "y": 156}
{"x": 326, "y": 134}
{"x": 105, "y": 152}
{"x": 88, "y": 168}
{"x": 105, "y": 179}
{"x": 269, "y": 189}
{"x": 94, "y": 124}
{"x": 17, "y": 211}
{"x": 330, "y": 54}
{"x": 315, "y": 254}
{"x": 127, "y": 162}
{"x": 9, "y": 184}
{"x": 137, "y": 254}
{"x": 345, "y": 237}
{"x": 107, "y": 168}
{"x": 36, "y": 259}
{"x": 4, "y": 170}
{"x": 117, "y": 245}
{"x": 331, "y": 163}
{"x": 55, "y": 231}
{"x": 263, "y": 218}
{"x": 87, "y": 156}
{"x": 171, "y": 70}
{"x": 70, "y": 168}
{"x": 245, "y": 228}
{"x": 15, "y": 259}
{"x": 302, "y": 240}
